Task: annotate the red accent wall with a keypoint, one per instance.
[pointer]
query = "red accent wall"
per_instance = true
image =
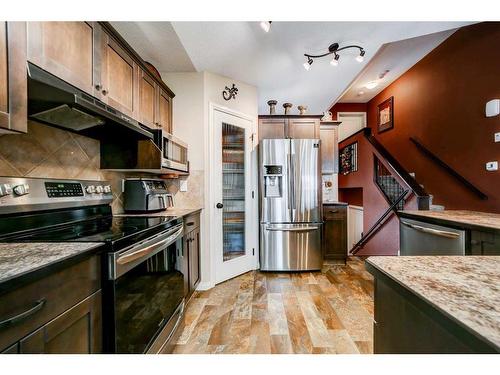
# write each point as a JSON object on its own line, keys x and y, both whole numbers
{"x": 441, "y": 102}
{"x": 348, "y": 107}
{"x": 352, "y": 196}
{"x": 386, "y": 241}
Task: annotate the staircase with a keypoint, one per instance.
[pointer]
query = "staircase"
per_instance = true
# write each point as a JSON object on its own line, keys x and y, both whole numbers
{"x": 399, "y": 188}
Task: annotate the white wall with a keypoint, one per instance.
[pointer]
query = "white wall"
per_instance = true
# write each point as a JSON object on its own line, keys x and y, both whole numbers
{"x": 188, "y": 114}
{"x": 194, "y": 92}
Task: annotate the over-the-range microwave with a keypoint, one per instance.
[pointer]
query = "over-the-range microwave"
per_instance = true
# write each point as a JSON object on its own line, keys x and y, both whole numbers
{"x": 174, "y": 151}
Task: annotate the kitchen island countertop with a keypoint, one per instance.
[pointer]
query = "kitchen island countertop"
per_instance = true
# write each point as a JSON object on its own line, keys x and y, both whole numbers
{"x": 463, "y": 288}
{"x": 460, "y": 217}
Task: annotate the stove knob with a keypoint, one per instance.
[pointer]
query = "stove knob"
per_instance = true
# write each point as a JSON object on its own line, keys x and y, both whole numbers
{"x": 99, "y": 189}
{"x": 107, "y": 189}
{"x": 90, "y": 189}
{"x": 5, "y": 189}
{"x": 22, "y": 189}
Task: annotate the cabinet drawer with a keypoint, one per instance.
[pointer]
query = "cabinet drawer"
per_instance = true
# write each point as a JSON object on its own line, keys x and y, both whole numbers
{"x": 37, "y": 303}
{"x": 334, "y": 212}
{"x": 191, "y": 222}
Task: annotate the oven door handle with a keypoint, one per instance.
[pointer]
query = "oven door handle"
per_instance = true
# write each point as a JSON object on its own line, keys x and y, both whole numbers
{"x": 148, "y": 250}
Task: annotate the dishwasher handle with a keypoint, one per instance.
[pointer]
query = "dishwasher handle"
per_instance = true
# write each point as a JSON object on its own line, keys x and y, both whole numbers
{"x": 435, "y": 232}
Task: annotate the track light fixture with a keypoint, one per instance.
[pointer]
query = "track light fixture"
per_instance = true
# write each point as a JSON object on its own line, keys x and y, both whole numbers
{"x": 333, "y": 49}
{"x": 266, "y": 25}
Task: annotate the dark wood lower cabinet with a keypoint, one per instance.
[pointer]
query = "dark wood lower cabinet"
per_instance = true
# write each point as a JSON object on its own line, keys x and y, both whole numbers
{"x": 76, "y": 331}
{"x": 406, "y": 324}
{"x": 192, "y": 250}
{"x": 335, "y": 232}
{"x": 59, "y": 313}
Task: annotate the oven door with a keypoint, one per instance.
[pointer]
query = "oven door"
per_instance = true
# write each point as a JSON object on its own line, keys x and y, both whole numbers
{"x": 175, "y": 153}
{"x": 148, "y": 289}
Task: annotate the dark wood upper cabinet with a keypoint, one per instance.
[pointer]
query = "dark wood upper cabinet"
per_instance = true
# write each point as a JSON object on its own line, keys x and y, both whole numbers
{"x": 13, "y": 78}
{"x": 119, "y": 77}
{"x": 272, "y": 128}
{"x": 329, "y": 147}
{"x": 76, "y": 331}
{"x": 303, "y": 128}
{"x": 148, "y": 100}
{"x": 93, "y": 57}
{"x": 164, "y": 111}
{"x": 289, "y": 126}
{"x": 66, "y": 49}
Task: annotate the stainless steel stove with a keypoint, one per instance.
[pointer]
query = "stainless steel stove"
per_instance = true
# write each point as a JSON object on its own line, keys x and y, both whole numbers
{"x": 143, "y": 263}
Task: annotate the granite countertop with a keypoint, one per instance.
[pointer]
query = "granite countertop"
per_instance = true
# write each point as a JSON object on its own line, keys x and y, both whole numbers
{"x": 172, "y": 211}
{"x": 21, "y": 259}
{"x": 465, "y": 288}
{"x": 474, "y": 218}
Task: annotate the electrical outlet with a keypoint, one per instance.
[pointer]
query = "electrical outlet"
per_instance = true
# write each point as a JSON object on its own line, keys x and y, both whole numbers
{"x": 497, "y": 137}
{"x": 492, "y": 166}
{"x": 183, "y": 185}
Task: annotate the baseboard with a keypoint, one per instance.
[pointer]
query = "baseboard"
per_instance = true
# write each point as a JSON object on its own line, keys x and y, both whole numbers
{"x": 205, "y": 286}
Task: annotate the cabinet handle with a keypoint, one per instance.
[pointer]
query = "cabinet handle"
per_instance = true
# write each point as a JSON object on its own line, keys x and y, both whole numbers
{"x": 20, "y": 317}
{"x": 190, "y": 224}
{"x": 333, "y": 211}
{"x": 104, "y": 92}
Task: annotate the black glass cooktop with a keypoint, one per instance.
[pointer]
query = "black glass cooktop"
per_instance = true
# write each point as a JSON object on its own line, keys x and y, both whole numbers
{"x": 103, "y": 229}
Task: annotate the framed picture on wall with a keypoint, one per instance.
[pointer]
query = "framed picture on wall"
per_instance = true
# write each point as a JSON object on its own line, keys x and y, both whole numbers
{"x": 385, "y": 115}
{"x": 348, "y": 158}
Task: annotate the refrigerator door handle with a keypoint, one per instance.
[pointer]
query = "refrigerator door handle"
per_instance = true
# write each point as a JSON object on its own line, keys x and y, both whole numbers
{"x": 289, "y": 184}
{"x": 296, "y": 229}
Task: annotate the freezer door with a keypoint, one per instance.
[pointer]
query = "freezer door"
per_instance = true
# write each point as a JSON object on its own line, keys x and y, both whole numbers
{"x": 274, "y": 163}
{"x": 305, "y": 181}
{"x": 290, "y": 247}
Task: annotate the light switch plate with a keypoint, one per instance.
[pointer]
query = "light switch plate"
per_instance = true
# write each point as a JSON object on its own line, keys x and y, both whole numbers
{"x": 183, "y": 185}
{"x": 493, "y": 108}
{"x": 497, "y": 137}
{"x": 492, "y": 166}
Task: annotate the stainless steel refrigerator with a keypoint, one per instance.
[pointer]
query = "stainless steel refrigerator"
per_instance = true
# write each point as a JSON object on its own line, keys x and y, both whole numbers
{"x": 290, "y": 205}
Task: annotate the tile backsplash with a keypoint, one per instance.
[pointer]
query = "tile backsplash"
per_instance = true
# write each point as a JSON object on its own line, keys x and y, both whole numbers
{"x": 49, "y": 152}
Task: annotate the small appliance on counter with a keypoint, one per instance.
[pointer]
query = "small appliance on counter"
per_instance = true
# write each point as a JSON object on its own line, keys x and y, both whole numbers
{"x": 142, "y": 195}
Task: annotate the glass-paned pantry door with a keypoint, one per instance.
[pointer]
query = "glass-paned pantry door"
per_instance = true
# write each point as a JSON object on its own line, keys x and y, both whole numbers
{"x": 232, "y": 193}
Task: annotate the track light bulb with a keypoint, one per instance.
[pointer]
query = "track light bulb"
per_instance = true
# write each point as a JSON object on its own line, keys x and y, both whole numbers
{"x": 360, "y": 57}
{"x": 335, "y": 60}
{"x": 308, "y": 63}
{"x": 266, "y": 25}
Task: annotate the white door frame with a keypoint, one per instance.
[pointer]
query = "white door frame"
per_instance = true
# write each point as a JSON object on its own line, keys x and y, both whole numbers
{"x": 352, "y": 114}
{"x": 253, "y": 240}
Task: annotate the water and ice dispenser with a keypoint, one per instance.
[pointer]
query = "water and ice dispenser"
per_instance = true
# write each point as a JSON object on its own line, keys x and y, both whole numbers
{"x": 273, "y": 181}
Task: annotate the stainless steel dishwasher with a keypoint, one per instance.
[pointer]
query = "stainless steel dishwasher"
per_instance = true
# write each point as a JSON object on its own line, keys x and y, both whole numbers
{"x": 421, "y": 238}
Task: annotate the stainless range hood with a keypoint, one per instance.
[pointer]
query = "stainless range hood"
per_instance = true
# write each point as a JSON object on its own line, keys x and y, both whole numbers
{"x": 55, "y": 102}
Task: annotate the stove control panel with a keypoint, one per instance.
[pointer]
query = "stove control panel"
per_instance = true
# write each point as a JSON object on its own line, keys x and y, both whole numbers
{"x": 19, "y": 194}
{"x": 63, "y": 189}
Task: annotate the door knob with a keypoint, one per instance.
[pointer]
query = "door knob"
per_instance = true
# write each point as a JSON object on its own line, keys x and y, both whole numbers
{"x": 219, "y": 205}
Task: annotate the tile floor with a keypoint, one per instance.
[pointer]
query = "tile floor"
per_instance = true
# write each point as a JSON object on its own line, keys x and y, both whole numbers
{"x": 312, "y": 312}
